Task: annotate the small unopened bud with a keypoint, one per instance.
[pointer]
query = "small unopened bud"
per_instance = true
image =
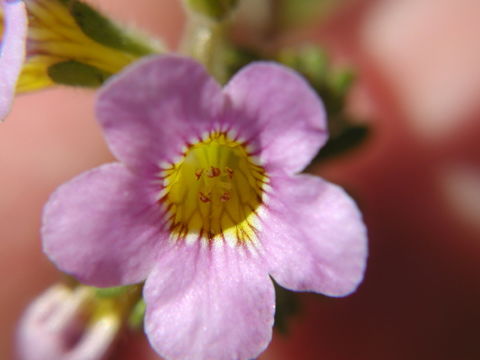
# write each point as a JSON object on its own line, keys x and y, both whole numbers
{"x": 58, "y": 325}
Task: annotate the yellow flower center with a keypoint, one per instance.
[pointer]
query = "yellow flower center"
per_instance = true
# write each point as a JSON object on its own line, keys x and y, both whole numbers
{"x": 214, "y": 191}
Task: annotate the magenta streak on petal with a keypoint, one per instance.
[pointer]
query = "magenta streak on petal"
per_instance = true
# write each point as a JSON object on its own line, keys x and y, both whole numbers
{"x": 12, "y": 52}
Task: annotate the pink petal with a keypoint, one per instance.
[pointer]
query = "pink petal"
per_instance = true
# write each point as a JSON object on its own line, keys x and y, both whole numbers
{"x": 150, "y": 111}
{"x": 209, "y": 303}
{"x": 280, "y": 113}
{"x": 314, "y": 237}
{"x": 12, "y": 52}
{"x": 104, "y": 227}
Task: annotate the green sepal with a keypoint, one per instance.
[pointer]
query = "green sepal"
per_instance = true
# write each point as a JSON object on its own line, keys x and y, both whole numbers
{"x": 331, "y": 84}
{"x": 237, "y": 57}
{"x": 286, "y": 305}
{"x": 310, "y": 60}
{"x": 349, "y": 138}
{"x": 341, "y": 81}
{"x": 298, "y": 12}
{"x": 214, "y": 9}
{"x": 335, "y": 89}
{"x": 111, "y": 292}
{"x": 135, "y": 320}
{"x": 74, "y": 73}
{"x": 102, "y": 30}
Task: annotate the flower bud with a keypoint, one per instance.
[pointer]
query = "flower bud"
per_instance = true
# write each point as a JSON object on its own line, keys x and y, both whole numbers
{"x": 60, "y": 324}
{"x": 68, "y": 42}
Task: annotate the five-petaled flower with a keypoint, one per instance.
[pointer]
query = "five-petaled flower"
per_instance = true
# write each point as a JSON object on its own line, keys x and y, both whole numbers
{"x": 206, "y": 204}
{"x": 12, "y": 51}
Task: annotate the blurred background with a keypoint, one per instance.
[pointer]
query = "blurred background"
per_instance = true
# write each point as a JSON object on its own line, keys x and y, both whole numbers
{"x": 416, "y": 179}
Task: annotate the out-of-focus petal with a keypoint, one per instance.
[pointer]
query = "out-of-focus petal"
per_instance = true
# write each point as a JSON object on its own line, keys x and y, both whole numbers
{"x": 159, "y": 105}
{"x": 104, "y": 227}
{"x": 209, "y": 303}
{"x": 55, "y": 327}
{"x": 12, "y": 51}
{"x": 314, "y": 237}
{"x": 279, "y": 113}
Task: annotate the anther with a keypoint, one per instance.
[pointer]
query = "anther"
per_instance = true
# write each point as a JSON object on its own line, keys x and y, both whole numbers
{"x": 203, "y": 198}
{"x": 214, "y": 172}
{"x": 225, "y": 196}
{"x": 229, "y": 172}
{"x": 198, "y": 173}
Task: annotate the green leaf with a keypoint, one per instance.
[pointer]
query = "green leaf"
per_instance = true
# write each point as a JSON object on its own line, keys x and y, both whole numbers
{"x": 102, "y": 30}
{"x": 74, "y": 73}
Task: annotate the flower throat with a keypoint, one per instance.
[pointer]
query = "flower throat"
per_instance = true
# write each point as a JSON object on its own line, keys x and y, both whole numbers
{"x": 214, "y": 191}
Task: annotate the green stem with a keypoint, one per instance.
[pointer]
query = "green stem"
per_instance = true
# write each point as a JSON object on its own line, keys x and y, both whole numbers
{"x": 204, "y": 40}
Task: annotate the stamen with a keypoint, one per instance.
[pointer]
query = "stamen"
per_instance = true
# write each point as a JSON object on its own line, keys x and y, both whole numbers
{"x": 225, "y": 196}
{"x": 229, "y": 172}
{"x": 219, "y": 205}
{"x": 214, "y": 172}
{"x": 198, "y": 173}
{"x": 203, "y": 198}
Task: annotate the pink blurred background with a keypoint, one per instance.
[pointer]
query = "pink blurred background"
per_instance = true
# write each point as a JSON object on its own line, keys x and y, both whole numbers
{"x": 417, "y": 181}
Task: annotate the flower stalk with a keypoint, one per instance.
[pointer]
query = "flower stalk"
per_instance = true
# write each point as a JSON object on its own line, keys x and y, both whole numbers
{"x": 205, "y": 35}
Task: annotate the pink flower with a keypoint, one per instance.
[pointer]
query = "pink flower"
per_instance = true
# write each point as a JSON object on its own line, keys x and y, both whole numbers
{"x": 207, "y": 204}
{"x": 12, "y": 52}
